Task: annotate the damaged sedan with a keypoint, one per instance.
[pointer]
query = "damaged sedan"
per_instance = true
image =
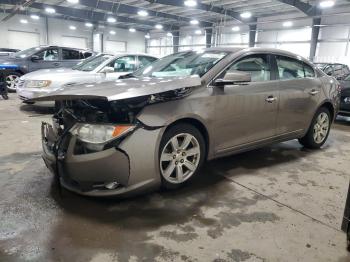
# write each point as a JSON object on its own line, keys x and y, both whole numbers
{"x": 155, "y": 128}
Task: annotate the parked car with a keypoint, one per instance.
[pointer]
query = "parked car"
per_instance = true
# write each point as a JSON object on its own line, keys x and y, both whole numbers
{"x": 36, "y": 58}
{"x": 7, "y": 51}
{"x": 346, "y": 220}
{"x": 157, "y": 126}
{"x": 344, "y": 109}
{"x": 103, "y": 67}
{"x": 339, "y": 71}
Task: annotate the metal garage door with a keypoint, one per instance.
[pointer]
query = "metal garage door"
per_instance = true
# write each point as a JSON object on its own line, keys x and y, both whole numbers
{"x": 72, "y": 41}
{"x": 22, "y": 40}
{"x": 115, "y": 47}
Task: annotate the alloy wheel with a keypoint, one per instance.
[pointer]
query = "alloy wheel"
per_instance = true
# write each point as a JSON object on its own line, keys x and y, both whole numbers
{"x": 180, "y": 158}
{"x": 11, "y": 81}
{"x": 321, "y": 128}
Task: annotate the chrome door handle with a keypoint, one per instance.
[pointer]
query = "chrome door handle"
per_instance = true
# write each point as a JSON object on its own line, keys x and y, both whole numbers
{"x": 271, "y": 99}
{"x": 56, "y": 64}
{"x": 313, "y": 92}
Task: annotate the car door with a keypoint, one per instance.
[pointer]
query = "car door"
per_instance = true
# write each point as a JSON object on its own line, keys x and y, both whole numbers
{"x": 47, "y": 58}
{"x": 246, "y": 113}
{"x": 299, "y": 90}
{"x": 121, "y": 66}
{"x": 70, "y": 57}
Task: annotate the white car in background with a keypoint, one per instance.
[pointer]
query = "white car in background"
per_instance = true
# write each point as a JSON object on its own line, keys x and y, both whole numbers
{"x": 99, "y": 68}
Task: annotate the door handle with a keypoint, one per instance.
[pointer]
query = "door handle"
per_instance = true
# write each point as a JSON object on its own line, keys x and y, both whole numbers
{"x": 56, "y": 64}
{"x": 313, "y": 92}
{"x": 270, "y": 99}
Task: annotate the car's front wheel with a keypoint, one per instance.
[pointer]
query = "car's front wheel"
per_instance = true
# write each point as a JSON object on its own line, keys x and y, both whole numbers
{"x": 11, "y": 80}
{"x": 318, "y": 131}
{"x": 182, "y": 152}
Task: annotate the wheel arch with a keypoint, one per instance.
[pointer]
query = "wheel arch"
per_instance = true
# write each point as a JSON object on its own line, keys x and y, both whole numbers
{"x": 328, "y": 104}
{"x": 199, "y": 125}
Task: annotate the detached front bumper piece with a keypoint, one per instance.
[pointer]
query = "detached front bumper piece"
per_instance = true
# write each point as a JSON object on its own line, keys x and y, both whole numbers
{"x": 93, "y": 173}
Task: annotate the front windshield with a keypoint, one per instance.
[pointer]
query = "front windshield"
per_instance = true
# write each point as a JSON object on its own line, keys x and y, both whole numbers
{"x": 91, "y": 63}
{"x": 182, "y": 64}
{"x": 27, "y": 52}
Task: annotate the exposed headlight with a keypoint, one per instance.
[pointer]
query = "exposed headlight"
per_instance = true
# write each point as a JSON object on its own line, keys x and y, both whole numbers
{"x": 100, "y": 134}
{"x": 38, "y": 83}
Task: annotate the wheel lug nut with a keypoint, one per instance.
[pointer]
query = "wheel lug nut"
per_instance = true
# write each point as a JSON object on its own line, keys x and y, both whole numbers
{"x": 176, "y": 163}
{"x": 183, "y": 153}
{"x": 174, "y": 156}
{"x": 182, "y": 161}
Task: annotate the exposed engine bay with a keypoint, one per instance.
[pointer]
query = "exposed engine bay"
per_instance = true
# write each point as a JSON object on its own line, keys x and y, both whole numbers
{"x": 100, "y": 111}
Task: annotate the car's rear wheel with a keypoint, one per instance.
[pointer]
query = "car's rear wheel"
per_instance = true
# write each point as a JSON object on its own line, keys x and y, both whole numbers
{"x": 318, "y": 132}
{"x": 182, "y": 153}
{"x": 11, "y": 80}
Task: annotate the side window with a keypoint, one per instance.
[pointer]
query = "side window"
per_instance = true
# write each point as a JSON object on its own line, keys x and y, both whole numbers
{"x": 145, "y": 60}
{"x": 123, "y": 64}
{"x": 50, "y": 54}
{"x": 289, "y": 68}
{"x": 257, "y": 65}
{"x": 308, "y": 70}
{"x": 68, "y": 54}
{"x": 84, "y": 55}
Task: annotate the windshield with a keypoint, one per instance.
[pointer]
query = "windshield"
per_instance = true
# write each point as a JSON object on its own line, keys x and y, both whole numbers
{"x": 27, "y": 52}
{"x": 182, "y": 64}
{"x": 91, "y": 63}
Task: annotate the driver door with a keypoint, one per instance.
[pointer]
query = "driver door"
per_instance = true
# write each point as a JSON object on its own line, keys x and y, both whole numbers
{"x": 121, "y": 66}
{"x": 48, "y": 58}
{"x": 246, "y": 113}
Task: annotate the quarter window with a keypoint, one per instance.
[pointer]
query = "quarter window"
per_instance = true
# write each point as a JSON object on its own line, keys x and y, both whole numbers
{"x": 68, "y": 54}
{"x": 257, "y": 65}
{"x": 50, "y": 54}
{"x": 309, "y": 71}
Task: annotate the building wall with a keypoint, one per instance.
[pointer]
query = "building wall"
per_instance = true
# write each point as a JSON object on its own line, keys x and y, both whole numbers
{"x": 17, "y": 35}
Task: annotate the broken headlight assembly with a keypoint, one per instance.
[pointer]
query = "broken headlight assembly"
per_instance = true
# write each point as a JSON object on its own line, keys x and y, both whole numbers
{"x": 96, "y": 136}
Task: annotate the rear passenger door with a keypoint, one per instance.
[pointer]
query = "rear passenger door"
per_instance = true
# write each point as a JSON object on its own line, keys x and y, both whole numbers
{"x": 70, "y": 57}
{"x": 299, "y": 95}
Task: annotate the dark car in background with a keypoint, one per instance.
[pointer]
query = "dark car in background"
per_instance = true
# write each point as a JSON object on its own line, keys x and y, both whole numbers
{"x": 346, "y": 219}
{"x": 41, "y": 57}
{"x": 344, "y": 109}
{"x": 8, "y": 51}
{"x": 339, "y": 71}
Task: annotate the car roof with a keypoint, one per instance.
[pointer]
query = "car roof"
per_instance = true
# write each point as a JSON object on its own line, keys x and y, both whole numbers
{"x": 67, "y": 47}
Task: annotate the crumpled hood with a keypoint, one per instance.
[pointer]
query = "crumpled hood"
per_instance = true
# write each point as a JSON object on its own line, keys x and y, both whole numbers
{"x": 54, "y": 74}
{"x": 122, "y": 88}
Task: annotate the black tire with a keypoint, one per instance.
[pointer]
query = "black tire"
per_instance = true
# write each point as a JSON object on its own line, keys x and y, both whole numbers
{"x": 308, "y": 140}
{"x": 9, "y": 74}
{"x": 177, "y": 130}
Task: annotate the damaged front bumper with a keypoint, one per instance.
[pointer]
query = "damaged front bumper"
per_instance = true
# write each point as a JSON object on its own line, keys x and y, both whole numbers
{"x": 108, "y": 172}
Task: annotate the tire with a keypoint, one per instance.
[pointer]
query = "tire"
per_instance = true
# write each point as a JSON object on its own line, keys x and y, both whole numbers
{"x": 180, "y": 163}
{"x": 10, "y": 79}
{"x": 318, "y": 131}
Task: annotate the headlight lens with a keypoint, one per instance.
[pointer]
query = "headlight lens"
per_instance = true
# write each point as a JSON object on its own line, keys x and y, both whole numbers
{"x": 38, "y": 83}
{"x": 100, "y": 134}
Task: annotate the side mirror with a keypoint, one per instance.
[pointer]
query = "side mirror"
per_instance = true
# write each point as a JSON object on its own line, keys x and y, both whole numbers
{"x": 107, "y": 69}
{"x": 35, "y": 58}
{"x": 234, "y": 77}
